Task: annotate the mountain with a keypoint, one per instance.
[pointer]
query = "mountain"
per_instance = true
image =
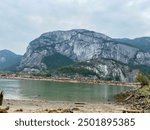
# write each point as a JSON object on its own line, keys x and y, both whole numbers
{"x": 98, "y": 69}
{"x": 9, "y": 60}
{"x": 142, "y": 43}
{"x": 100, "y": 55}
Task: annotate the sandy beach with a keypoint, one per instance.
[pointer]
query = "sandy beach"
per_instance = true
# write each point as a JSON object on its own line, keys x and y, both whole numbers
{"x": 44, "y": 106}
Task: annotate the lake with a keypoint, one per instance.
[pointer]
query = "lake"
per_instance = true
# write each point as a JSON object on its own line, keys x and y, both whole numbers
{"x": 58, "y": 91}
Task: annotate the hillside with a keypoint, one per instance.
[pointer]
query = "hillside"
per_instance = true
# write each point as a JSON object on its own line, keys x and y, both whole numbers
{"x": 142, "y": 43}
{"x": 54, "y": 50}
{"x": 9, "y": 60}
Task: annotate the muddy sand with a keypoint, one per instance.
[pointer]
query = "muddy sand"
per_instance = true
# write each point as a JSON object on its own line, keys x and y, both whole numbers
{"x": 44, "y": 106}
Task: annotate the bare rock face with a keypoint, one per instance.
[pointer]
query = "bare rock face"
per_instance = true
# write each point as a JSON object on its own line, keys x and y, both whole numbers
{"x": 111, "y": 70}
{"x": 143, "y": 58}
{"x": 81, "y": 45}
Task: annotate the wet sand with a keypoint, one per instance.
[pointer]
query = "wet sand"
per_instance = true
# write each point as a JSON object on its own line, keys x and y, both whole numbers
{"x": 44, "y": 106}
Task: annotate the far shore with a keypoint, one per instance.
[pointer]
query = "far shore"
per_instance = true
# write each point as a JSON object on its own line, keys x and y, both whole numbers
{"x": 69, "y": 80}
{"x": 44, "y": 106}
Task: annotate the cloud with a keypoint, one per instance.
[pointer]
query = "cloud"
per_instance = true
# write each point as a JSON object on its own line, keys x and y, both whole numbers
{"x": 23, "y": 20}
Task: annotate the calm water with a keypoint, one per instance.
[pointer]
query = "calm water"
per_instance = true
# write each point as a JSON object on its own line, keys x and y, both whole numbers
{"x": 56, "y": 91}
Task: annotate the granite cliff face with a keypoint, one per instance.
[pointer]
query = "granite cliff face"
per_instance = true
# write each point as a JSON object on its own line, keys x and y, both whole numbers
{"x": 81, "y": 45}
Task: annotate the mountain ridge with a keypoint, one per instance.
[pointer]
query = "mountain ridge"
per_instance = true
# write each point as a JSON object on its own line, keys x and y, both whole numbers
{"x": 9, "y": 60}
{"x": 53, "y": 40}
{"x": 83, "y": 53}
{"x": 80, "y": 45}
{"x": 142, "y": 43}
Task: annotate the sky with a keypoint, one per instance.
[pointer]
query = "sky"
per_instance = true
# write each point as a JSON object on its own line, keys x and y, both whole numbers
{"x": 21, "y": 21}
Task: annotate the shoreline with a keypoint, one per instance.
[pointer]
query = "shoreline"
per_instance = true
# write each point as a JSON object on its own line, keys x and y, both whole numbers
{"x": 63, "y": 79}
{"x": 45, "y": 106}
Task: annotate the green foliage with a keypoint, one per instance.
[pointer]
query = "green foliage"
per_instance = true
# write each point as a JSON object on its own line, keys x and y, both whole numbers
{"x": 57, "y": 60}
{"x": 142, "y": 43}
{"x": 144, "y": 91}
{"x": 143, "y": 79}
{"x": 76, "y": 70}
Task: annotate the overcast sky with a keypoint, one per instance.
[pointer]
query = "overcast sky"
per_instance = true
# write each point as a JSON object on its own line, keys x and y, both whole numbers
{"x": 21, "y": 21}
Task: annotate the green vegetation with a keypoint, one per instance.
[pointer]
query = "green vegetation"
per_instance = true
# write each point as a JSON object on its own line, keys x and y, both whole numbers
{"x": 137, "y": 99}
{"x": 57, "y": 60}
{"x": 142, "y": 79}
{"x": 5, "y": 73}
{"x": 76, "y": 70}
{"x": 142, "y": 43}
{"x": 144, "y": 91}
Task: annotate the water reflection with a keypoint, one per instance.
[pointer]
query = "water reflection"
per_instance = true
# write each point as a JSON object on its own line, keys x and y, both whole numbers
{"x": 57, "y": 91}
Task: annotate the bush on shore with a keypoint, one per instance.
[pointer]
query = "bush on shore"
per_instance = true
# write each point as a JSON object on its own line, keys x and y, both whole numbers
{"x": 143, "y": 79}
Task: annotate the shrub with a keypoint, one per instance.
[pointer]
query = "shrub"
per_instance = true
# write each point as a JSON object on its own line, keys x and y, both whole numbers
{"x": 142, "y": 79}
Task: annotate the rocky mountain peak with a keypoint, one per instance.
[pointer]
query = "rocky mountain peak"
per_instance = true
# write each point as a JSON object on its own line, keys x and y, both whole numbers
{"x": 79, "y": 45}
{"x": 75, "y": 32}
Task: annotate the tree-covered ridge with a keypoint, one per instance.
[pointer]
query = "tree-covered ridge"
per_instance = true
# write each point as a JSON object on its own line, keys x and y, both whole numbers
{"x": 9, "y": 60}
{"x": 57, "y": 60}
{"x": 142, "y": 43}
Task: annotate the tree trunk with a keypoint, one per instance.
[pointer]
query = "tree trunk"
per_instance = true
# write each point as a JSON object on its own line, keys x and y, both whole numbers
{"x": 1, "y": 98}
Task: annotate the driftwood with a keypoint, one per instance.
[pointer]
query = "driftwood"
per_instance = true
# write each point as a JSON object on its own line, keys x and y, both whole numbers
{"x": 19, "y": 110}
{"x": 79, "y": 103}
{"x": 60, "y": 110}
{"x": 128, "y": 98}
{"x": 133, "y": 111}
{"x": 79, "y": 106}
{"x": 75, "y": 109}
{"x": 4, "y": 110}
{"x": 1, "y": 97}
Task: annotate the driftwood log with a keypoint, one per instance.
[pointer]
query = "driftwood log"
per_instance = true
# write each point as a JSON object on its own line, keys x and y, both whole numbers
{"x": 4, "y": 110}
{"x": 133, "y": 111}
{"x": 1, "y": 98}
{"x": 128, "y": 97}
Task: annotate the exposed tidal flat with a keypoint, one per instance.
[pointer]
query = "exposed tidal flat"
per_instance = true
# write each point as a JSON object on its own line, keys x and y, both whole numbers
{"x": 45, "y": 106}
{"x": 26, "y": 94}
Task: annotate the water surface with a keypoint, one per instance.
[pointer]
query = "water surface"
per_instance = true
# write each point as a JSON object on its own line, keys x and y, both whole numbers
{"x": 58, "y": 91}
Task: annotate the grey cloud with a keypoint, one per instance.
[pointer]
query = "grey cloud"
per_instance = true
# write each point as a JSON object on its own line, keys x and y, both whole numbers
{"x": 23, "y": 20}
